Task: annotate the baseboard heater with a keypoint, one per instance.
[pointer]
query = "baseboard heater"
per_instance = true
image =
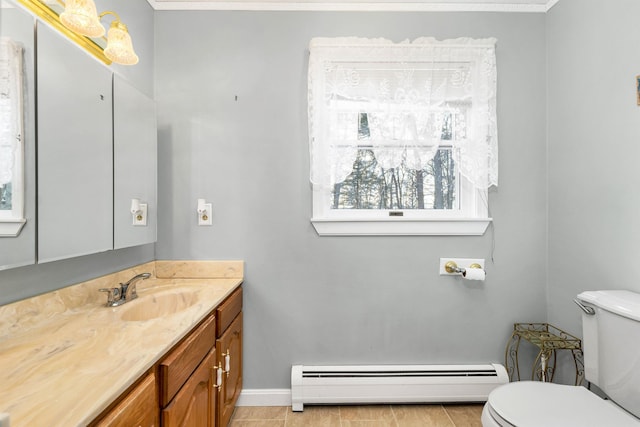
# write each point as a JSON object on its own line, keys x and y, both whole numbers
{"x": 393, "y": 384}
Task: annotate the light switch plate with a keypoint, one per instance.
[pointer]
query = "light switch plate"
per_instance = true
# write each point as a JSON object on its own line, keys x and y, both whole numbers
{"x": 461, "y": 263}
{"x": 141, "y": 218}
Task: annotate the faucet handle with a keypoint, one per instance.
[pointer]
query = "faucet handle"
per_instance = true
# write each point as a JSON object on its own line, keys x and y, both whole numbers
{"x": 113, "y": 295}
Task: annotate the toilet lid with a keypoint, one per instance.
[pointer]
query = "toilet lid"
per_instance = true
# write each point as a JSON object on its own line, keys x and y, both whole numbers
{"x": 535, "y": 404}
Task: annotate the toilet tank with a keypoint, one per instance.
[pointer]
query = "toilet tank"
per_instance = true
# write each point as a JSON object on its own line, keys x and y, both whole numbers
{"x": 611, "y": 344}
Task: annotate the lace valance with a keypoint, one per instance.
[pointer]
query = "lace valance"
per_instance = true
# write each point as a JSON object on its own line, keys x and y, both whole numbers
{"x": 403, "y": 101}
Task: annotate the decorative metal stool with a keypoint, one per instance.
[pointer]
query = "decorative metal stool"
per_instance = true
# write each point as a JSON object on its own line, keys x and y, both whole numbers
{"x": 548, "y": 339}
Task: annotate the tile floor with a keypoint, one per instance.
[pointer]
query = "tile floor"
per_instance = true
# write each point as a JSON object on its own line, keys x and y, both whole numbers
{"x": 360, "y": 416}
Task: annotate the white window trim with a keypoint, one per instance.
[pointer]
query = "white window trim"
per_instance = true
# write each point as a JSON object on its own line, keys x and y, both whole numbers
{"x": 401, "y": 227}
{"x": 11, "y": 227}
{"x": 469, "y": 218}
{"x": 11, "y": 222}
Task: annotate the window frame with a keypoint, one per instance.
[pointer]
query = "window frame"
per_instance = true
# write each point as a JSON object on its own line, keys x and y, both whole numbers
{"x": 12, "y": 221}
{"x": 470, "y": 219}
{"x": 472, "y": 214}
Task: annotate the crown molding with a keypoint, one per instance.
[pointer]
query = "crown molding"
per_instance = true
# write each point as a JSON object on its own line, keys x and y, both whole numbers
{"x": 353, "y": 5}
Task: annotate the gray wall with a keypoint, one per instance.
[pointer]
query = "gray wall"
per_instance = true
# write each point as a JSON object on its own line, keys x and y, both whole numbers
{"x": 594, "y": 146}
{"x": 23, "y": 282}
{"x": 339, "y": 299}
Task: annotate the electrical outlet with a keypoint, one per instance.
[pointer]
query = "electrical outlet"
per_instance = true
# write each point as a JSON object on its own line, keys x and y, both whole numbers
{"x": 140, "y": 218}
{"x": 204, "y": 218}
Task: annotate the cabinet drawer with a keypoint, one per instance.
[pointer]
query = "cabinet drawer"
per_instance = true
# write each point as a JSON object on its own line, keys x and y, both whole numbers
{"x": 176, "y": 368}
{"x": 138, "y": 408}
{"x": 228, "y": 310}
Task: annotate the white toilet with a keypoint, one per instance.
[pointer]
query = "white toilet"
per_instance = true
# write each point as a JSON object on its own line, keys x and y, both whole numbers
{"x": 611, "y": 345}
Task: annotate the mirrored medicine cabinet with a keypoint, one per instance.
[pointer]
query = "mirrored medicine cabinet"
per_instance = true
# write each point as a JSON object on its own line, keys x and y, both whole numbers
{"x": 81, "y": 207}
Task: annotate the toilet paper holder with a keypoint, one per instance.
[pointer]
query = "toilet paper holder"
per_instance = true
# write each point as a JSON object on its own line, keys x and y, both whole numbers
{"x": 452, "y": 268}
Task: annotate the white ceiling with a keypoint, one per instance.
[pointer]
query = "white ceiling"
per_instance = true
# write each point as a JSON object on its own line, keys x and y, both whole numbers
{"x": 539, "y": 6}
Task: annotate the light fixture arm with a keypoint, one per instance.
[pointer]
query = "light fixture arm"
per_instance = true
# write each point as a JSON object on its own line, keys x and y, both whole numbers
{"x": 117, "y": 23}
{"x": 109, "y": 12}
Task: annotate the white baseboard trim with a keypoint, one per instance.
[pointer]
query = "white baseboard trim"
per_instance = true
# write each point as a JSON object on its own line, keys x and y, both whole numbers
{"x": 264, "y": 397}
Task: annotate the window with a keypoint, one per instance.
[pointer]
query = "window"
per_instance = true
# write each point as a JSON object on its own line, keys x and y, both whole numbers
{"x": 11, "y": 145}
{"x": 402, "y": 136}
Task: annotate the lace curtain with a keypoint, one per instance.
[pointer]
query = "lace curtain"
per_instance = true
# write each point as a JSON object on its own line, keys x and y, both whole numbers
{"x": 403, "y": 101}
{"x": 11, "y": 77}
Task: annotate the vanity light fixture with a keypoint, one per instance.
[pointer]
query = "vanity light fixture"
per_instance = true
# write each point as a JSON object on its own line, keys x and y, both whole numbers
{"x": 119, "y": 46}
{"x": 81, "y": 17}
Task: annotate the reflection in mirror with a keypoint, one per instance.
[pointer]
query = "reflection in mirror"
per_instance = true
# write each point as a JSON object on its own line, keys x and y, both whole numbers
{"x": 48, "y": 11}
{"x": 11, "y": 137}
{"x": 17, "y": 25}
{"x": 57, "y": 6}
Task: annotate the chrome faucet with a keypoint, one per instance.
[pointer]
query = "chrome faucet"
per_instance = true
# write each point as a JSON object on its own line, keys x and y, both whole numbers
{"x": 129, "y": 289}
{"x": 125, "y": 292}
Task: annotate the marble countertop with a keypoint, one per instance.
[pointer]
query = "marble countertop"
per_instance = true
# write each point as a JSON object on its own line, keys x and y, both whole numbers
{"x": 65, "y": 358}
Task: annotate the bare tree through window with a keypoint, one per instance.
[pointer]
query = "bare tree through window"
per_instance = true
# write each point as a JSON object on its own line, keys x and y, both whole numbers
{"x": 370, "y": 186}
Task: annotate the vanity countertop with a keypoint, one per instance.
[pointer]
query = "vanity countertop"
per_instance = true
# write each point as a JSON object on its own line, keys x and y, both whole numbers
{"x": 65, "y": 356}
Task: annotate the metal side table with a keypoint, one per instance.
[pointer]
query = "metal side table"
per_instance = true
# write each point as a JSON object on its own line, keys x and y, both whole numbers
{"x": 548, "y": 339}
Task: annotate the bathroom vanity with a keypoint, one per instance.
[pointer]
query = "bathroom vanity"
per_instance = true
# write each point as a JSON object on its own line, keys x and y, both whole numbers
{"x": 169, "y": 357}
{"x": 197, "y": 381}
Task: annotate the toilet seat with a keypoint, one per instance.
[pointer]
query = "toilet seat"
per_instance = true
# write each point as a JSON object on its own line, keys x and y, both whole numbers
{"x": 536, "y": 404}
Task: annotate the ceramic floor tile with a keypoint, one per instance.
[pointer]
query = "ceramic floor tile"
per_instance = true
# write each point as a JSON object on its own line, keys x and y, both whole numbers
{"x": 314, "y": 416}
{"x": 366, "y": 413}
{"x": 368, "y": 423}
{"x": 256, "y": 423}
{"x": 421, "y": 416}
{"x": 465, "y": 415}
{"x": 260, "y": 413}
{"x": 360, "y": 416}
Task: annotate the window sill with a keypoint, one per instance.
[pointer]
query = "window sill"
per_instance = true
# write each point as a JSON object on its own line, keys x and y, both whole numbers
{"x": 11, "y": 227}
{"x": 401, "y": 227}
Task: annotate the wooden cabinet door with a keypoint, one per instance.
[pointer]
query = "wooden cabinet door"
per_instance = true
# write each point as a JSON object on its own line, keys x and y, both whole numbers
{"x": 230, "y": 347}
{"x": 214, "y": 388}
{"x": 192, "y": 406}
{"x": 138, "y": 409}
